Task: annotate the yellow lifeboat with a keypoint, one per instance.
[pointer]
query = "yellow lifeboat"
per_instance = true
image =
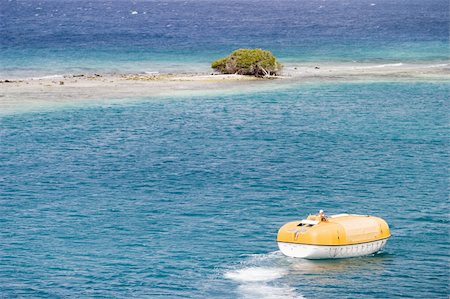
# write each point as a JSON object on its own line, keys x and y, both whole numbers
{"x": 336, "y": 236}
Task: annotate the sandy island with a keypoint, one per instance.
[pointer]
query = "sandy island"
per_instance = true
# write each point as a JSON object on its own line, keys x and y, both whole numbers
{"x": 44, "y": 91}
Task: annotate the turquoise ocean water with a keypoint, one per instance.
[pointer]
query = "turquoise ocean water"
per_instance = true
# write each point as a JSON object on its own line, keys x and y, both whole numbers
{"x": 182, "y": 197}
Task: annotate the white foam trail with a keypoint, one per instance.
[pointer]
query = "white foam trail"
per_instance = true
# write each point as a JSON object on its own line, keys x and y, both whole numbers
{"x": 262, "y": 291}
{"x": 255, "y": 283}
{"x": 268, "y": 257}
{"x": 254, "y": 274}
{"x": 261, "y": 278}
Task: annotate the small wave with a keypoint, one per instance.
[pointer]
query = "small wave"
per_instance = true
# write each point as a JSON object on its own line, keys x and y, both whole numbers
{"x": 134, "y": 12}
{"x": 438, "y": 65}
{"x": 47, "y": 77}
{"x": 381, "y": 65}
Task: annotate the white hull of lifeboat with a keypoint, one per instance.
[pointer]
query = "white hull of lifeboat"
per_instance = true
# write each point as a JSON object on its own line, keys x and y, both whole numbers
{"x": 330, "y": 252}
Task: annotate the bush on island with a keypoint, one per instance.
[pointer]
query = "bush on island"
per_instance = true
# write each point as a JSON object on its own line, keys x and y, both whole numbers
{"x": 255, "y": 62}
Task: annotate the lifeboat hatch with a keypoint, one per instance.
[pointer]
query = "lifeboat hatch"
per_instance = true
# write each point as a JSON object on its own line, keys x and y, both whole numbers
{"x": 305, "y": 225}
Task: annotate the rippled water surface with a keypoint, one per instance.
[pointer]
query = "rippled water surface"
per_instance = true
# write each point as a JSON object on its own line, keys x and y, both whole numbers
{"x": 183, "y": 197}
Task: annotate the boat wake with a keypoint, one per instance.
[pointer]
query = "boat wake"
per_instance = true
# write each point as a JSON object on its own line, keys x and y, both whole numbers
{"x": 261, "y": 277}
{"x": 255, "y": 274}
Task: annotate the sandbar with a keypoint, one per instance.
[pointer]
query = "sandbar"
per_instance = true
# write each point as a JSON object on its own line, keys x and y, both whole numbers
{"x": 19, "y": 93}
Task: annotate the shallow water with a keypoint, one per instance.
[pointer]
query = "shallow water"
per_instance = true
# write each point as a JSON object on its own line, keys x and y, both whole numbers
{"x": 183, "y": 197}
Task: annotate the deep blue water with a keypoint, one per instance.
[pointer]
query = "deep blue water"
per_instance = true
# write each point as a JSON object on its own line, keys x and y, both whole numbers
{"x": 53, "y": 36}
{"x": 182, "y": 198}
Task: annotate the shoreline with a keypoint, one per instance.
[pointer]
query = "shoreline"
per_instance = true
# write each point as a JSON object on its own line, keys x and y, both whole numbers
{"x": 290, "y": 69}
{"x": 33, "y": 93}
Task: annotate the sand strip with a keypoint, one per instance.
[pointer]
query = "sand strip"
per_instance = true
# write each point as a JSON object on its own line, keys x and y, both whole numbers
{"x": 21, "y": 94}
